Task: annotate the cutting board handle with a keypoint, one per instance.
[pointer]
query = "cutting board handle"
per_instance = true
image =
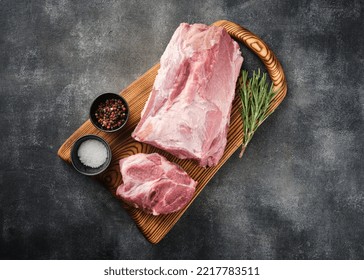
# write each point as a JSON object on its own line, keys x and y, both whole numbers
{"x": 257, "y": 45}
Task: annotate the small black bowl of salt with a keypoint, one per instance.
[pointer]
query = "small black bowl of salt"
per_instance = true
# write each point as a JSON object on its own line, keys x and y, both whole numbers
{"x": 90, "y": 155}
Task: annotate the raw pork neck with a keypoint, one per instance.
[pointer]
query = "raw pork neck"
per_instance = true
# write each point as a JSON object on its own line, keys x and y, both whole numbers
{"x": 153, "y": 184}
{"x": 188, "y": 111}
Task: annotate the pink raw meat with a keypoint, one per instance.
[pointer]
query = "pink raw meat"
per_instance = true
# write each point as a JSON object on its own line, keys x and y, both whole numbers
{"x": 188, "y": 111}
{"x": 154, "y": 184}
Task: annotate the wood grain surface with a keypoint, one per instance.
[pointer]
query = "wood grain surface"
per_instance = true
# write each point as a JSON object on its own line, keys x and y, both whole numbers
{"x": 122, "y": 145}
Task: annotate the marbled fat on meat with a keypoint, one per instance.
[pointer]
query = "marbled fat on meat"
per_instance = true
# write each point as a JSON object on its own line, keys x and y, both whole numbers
{"x": 154, "y": 184}
{"x": 188, "y": 111}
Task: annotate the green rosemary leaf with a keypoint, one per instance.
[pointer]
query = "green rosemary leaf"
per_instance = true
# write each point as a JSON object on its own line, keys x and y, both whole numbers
{"x": 256, "y": 96}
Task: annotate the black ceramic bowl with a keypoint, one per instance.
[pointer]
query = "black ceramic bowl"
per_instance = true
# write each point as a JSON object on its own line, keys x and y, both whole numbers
{"x": 79, "y": 166}
{"x": 103, "y": 98}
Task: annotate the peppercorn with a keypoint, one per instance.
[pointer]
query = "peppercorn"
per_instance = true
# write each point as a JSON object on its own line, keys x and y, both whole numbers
{"x": 111, "y": 114}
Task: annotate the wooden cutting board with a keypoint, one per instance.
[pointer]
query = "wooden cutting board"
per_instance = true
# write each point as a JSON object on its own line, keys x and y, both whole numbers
{"x": 122, "y": 145}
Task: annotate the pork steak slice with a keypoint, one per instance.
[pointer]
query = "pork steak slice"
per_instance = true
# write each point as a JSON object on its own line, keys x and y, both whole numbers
{"x": 154, "y": 184}
{"x": 188, "y": 111}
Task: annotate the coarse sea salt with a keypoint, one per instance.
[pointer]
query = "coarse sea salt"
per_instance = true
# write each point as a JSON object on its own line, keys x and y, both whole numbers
{"x": 92, "y": 153}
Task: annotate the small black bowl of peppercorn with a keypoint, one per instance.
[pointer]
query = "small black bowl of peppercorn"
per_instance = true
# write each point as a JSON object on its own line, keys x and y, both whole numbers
{"x": 109, "y": 112}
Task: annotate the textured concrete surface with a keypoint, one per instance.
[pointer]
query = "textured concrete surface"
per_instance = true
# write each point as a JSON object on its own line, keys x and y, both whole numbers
{"x": 298, "y": 193}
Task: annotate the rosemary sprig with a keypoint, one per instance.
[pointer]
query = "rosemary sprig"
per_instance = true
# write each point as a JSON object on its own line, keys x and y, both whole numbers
{"x": 256, "y": 96}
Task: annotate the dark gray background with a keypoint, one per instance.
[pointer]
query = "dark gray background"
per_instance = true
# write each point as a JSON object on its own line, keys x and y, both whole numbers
{"x": 298, "y": 191}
